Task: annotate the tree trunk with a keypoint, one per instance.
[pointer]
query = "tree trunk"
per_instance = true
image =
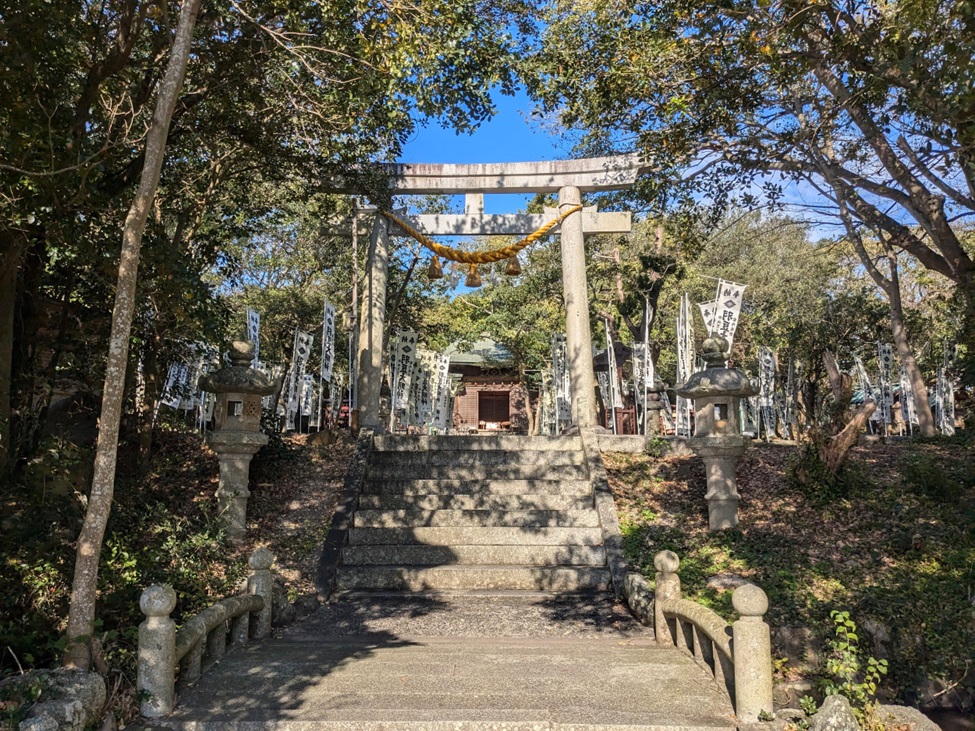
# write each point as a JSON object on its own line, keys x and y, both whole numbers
{"x": 835, "y": 451}
{"x": 922, "y": 407}
{"x": 81, "y": 613}
{"x": 13, "y": 244}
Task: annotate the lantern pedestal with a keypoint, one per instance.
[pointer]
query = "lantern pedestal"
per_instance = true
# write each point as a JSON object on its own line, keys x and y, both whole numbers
{"x": 717, "y": 392}
{"x": 237, "y": 436}
{"x": 235, "y": 451}
{"x": 720, "y": 456}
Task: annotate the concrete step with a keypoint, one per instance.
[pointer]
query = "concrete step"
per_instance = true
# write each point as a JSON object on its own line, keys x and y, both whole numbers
{"x": 459, "y": 578}
{"x": 393, "y": 680}
{"x": 478, "y": 472}
{"x": 413, "y": 443}
{"x": 476, "y": 487}
{"x": 479, "y": 518}
{"x": 474, "y": 457}
{"x": 413, "y": 555}
{"x": 476, "y": 536}
{"x": 475, "y": 502}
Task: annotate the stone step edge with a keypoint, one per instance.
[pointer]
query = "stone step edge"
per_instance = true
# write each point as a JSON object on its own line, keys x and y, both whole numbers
{"x": 476, "y": 518}
{"x": 454, "y": 725}
{"x": 414, "y": 555}
{"x": 437, "y": 536}
{"x": 483, "y": 443}
{"x": 454, "y": 486}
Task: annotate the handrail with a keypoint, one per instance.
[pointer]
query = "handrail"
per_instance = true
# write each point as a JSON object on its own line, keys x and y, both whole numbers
{"x": 197, "y": 628}
{"x": 738, "y": 656}
{"x": 704, "y": 620}
{"x": 202, "y": 640}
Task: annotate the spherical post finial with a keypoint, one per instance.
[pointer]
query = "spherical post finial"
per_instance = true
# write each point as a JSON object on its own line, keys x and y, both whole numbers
{"x": 714, "y": 350}
{"x": 666, "y": 562}
{"x": 242, "y": 353}
{"x": 261, "y": 559}
{"x": 158, "y": 601}
{"x": 749, "y": 601}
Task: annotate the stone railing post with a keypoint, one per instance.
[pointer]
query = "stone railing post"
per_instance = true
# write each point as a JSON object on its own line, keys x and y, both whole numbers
{"x": 667, "y": 588}
{"x": 260, "y": 582}
{"x": 156, "y": 678}
{"x": 752, "y": 649}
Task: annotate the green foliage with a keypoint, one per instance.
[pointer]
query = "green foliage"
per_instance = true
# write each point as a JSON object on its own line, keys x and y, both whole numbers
{"x": 657, "y": 447}
{"x": 807, "y": 704}
{"x": 845, "y": 673}
{"x": 934, "y": 478}
{"x": 807, "y": 473}
{"x": 163, "y": 530}
{"x": 277, "y": 450}
{"x": 903, "y": 560}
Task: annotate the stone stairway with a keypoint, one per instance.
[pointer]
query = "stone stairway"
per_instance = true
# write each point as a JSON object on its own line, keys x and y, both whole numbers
{"x": 470, "y": 597}
{"x": 485, "y": 513}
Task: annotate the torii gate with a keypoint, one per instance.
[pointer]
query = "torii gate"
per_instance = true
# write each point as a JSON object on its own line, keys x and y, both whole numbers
{"x": 569, "y": 178}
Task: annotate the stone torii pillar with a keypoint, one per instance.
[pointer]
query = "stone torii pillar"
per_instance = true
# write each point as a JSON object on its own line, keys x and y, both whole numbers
{"x": 372, "y": 322}
{"x": 578, "y": 335}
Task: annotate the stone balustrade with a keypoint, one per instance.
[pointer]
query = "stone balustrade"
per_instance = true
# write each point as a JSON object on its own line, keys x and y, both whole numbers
{"x": 202, "y": 640}
{"x": 738, "y": 656}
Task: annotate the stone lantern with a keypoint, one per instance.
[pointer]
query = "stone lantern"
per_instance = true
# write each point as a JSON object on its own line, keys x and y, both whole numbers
{"x": 237, "y": 435}
{"x": 655, "y": 404}
{"x": 717, "y": 392}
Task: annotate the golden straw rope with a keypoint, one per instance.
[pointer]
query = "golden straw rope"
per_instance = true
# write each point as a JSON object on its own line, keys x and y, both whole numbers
{"x": 480, "y": 257}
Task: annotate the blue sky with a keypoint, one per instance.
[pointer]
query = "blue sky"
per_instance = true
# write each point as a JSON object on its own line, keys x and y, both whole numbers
{"x": 509, "y": 136}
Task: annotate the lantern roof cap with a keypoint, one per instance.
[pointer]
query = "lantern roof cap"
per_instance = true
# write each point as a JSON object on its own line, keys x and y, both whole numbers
{"x": 239, "y": 377}
{"x": 716, "y": 380}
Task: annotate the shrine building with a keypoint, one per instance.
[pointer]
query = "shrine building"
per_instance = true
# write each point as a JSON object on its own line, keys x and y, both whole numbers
{"x": 491, "y": 397}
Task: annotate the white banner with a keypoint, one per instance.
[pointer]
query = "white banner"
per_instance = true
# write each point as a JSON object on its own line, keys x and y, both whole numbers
{"x": 299, "y": 363}
{"x": 615, "y": 386}
{"x": 404, "y": 361}
{"x": 885, "y": 363}
{"x": 254, "y": 332}
{"x": 685, "y": 363}
{"x": 442, "y": 412}
{"x": 750, "y": 417}
{"x": 728, "y": 309}
{"x": 307, "y": 393}
{"x": 639, "y": 371}
{"x": 176, "y": 384}
{"x": 766, "y": 390}
{"x": 328, "y": 343}
{"x": 563, "y": 390}
{"x": 602, "y": 380}
{"x": 708, "y": 310}
{"x": 426, "y": 371}
{"x": 668, "y": 413}
{"x": 547, "y": 397}
{"x": 908, "y": 409}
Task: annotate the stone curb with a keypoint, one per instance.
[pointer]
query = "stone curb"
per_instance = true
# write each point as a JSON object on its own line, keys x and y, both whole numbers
{"x": 639, "y": 597}
{"x": 328, "y": 562}
{"x": 606, "y": 509}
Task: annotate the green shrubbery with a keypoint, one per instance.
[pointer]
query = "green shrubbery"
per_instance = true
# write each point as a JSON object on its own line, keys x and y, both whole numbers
{"x": 932, "y": 477}
{"x": 162, "y": 530}
{"x": 887, "y": 545}
{"x": 807, "y": 473}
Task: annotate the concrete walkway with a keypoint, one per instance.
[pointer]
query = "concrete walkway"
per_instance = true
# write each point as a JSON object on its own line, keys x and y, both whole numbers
{"x": 465, "y": 662}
